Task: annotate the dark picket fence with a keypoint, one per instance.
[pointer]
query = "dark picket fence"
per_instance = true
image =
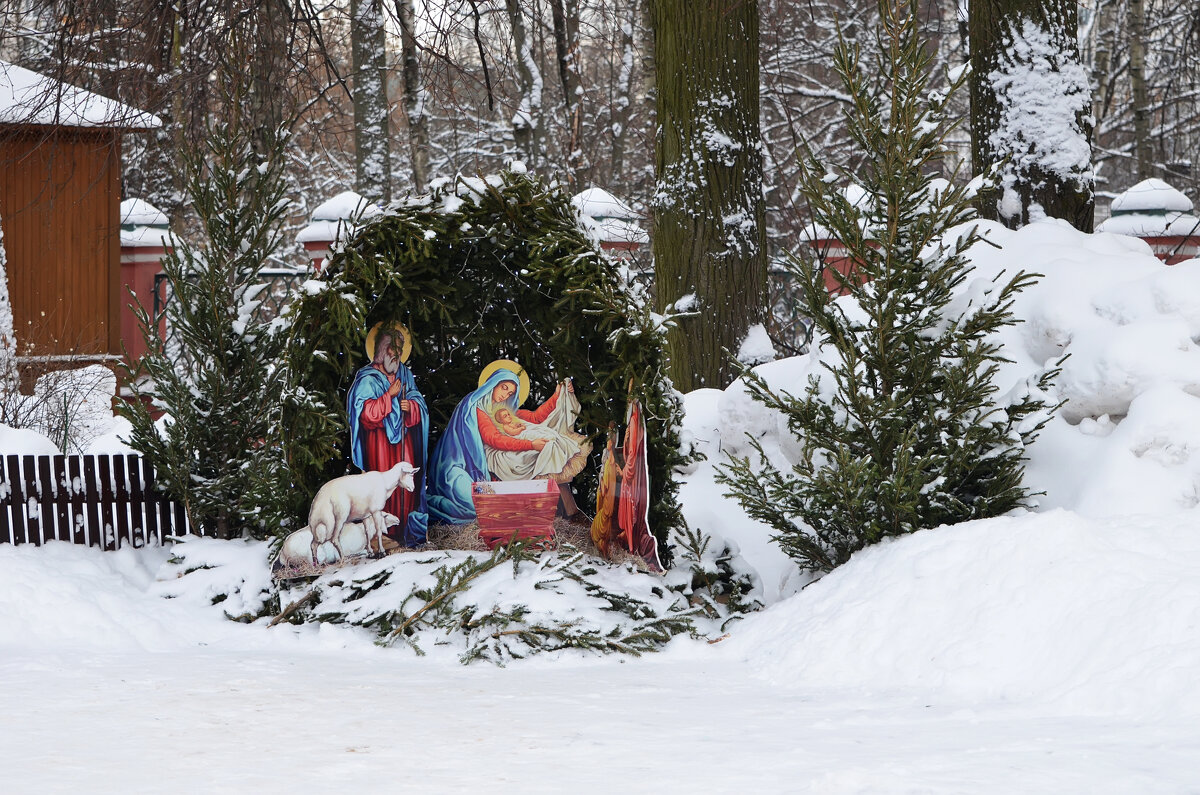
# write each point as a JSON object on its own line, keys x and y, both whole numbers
{"x": 104, "y": 501}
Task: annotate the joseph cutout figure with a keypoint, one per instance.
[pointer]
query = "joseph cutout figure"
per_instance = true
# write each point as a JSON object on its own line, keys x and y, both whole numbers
{"x": 389, "y": 423}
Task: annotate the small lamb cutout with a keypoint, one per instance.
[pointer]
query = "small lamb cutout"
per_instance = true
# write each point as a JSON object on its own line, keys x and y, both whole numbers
{"x": 295, "y": 554}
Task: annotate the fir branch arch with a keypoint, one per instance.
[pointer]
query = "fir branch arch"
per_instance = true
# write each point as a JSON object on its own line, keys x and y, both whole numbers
{"x": 478, "y": 270}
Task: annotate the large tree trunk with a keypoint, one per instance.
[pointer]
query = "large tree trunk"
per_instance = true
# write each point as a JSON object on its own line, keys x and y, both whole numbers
{"x": 372, "y": 153}
{"x": 269, "y": 72}
{"x": 622, "y": 109}
{"x": 414, "y": 97}
{"x": 708, "y": 224}
{"x": 1020, "y": 51}
{"x": 1137, "y": 82}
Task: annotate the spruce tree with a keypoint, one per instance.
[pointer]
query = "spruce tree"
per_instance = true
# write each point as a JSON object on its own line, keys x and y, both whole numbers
{"x": 221, "y": 390}
{"x": 903, "y": 428}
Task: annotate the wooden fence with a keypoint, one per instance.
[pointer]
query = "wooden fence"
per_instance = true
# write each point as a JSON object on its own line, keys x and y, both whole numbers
{"x": 103, "y": 501}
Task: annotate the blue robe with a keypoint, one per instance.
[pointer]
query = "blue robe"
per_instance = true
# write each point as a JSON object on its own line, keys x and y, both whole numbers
{"x": 459, "y": 459}
{"x": 370, "y": 383}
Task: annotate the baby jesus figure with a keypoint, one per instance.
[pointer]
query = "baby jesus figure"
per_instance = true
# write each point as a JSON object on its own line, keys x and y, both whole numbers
{"x": 509, "y": 424}
{"x": 552, "y": 449}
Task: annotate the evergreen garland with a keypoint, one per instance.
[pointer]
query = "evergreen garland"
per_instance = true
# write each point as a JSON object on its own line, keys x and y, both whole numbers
{"x": 481, "y": 269}
{"x": 904, "y": 430}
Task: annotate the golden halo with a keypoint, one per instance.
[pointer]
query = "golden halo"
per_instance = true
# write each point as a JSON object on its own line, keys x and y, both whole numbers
{"x": 508, "y": 364}
{"x": 405, "y": 352}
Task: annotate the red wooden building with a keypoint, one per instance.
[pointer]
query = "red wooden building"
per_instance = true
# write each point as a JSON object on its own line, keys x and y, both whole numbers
{"x": 60, "y": 167}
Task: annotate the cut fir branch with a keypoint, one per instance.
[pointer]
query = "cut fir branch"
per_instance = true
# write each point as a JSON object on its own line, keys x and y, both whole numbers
{"x": 587, "y": 604}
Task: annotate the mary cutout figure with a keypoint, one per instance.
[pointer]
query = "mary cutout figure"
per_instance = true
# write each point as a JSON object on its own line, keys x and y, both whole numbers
{"x": 460, "y": 459}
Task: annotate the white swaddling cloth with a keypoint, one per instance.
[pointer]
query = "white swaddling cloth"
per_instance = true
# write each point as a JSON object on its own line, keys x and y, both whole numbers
{"x": 564, "y": 450}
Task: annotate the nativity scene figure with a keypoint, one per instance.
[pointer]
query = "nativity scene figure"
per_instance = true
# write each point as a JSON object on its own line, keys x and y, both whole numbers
{"x": 623, "y": 495}
{"x": 389, "y": 424}
{"x": 491, "y": 438}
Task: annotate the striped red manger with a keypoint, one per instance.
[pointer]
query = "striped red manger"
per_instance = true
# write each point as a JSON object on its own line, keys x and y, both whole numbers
{"x": 511, "y": 510}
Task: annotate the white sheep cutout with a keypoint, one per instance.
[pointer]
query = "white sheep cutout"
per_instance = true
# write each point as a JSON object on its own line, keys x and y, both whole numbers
{"x": 295, "y": 554}
{"x": 351, "y": 498}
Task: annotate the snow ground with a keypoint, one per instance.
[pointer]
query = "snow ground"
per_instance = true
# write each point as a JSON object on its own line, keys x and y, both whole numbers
{"x": 215, "y": 721}
{"x": 106, "y": 687}
{"x": 1056, "y": 651}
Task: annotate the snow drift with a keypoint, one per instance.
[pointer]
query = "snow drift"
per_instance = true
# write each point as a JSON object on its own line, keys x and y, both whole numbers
{"x": 1085, "y": 615}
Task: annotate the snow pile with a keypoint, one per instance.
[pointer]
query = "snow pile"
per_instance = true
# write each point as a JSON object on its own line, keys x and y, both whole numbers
{"x": 1127, "y": 440}
{"x": 1085, "y": 615}
{"x": 23, "y": 441}
{"x": 1091, "y": 609}
{"x": 60, "y": 596}
{"x": 232, "y": 574}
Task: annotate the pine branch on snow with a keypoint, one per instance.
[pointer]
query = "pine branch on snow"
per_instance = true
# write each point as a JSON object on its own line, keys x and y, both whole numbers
{"x": 517, "y": 602}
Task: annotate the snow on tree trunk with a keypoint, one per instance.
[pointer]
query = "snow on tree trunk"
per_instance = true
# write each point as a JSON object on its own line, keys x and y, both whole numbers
{"x": 368, "y": 42}
{"x": 526, "y": 122}
{"x": 708, "y": 220}
{"x": 1030, "y": 111}
{"x": 415, "y": 97}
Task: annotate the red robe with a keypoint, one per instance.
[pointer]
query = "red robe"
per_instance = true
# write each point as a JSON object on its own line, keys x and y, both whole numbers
{"x": 634, "y": 497}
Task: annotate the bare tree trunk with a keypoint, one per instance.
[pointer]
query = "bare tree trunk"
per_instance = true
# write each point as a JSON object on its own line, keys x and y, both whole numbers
{"x": 623, "y": 100}
{"x": 368, "y": 47}
{"x": 709, "y": 219}
{"x": 566, "y": 46}
{"x": 268, "y": 69}
{"x": 526, "y": 121}
{"x": 414, "y": 97}
{"x": 1018, "y": 48}
{"x": 1136, "y": 11}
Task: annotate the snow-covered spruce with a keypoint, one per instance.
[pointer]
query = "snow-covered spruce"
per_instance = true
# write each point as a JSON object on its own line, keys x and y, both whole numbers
{"x": 900, "y": 424}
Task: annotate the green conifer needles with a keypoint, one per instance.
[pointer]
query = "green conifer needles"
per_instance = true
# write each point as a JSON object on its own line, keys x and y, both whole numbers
{"x": 902, "y": 428}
